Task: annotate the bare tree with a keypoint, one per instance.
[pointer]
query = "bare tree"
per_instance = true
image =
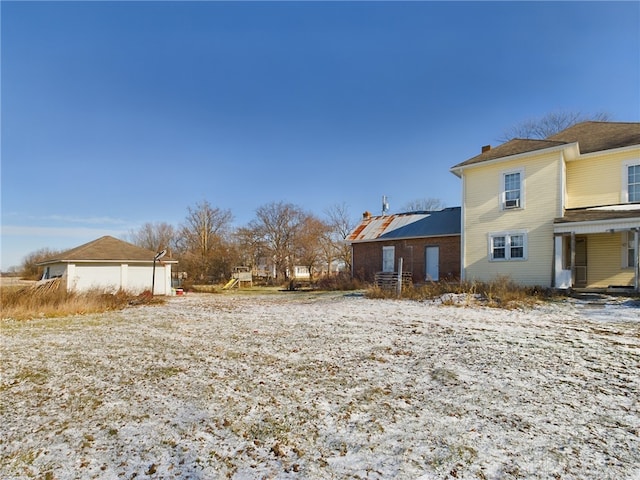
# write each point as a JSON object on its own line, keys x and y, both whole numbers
{"x": 341, "y": 225}
{"x": 250, "y": 246}
{"x": 310, "y": 243}
{"x": 203, "y": 243}
{"x": 275, "y": 227}
{"x": 424, "y": 205}
{"x": 550, "y": 124}
{"x": 29, "y": 270}
{"x": 154, "y": 236}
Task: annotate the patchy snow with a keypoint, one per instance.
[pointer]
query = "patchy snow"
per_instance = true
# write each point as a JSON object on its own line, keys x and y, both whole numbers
{"x": 308, "y": 386}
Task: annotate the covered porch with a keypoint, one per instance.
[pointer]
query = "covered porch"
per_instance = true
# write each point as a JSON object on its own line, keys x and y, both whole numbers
{"x": 597, "y": 248}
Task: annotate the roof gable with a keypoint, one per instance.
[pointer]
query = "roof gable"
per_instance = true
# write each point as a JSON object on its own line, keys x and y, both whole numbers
{"x": 510, "y": 148}
{"x": 599, "y": 136}
{"x": 408, "y": 225}
{"x": 590, "y": 137}
{"x": 108, "y": 249}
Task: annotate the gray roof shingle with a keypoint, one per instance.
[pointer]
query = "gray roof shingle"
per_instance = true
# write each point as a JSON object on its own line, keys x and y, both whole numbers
{"x": 590, "y": 136}
{"x": 108, "y": 249}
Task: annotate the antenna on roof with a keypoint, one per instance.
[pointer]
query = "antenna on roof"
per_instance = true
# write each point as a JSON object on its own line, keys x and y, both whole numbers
{"x": 385, "y": 205}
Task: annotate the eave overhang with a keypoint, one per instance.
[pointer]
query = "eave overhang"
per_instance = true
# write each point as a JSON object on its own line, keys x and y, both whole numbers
{"x": 599, "y": 220}
{"x": 118, "y": 262}
{"x": 571, "y": 152}
{"x": 586, "y": 156}
{"x": 396, "y": 239}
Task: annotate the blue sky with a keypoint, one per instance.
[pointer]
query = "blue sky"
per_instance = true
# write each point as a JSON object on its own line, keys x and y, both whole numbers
{"x": 119, "y": 113}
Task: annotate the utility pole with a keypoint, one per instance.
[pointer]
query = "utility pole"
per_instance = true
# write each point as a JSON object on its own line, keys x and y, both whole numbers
{"x": 157, "y": 257}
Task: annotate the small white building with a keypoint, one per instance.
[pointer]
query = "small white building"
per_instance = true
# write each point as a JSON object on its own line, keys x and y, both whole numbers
{"x": 110, "y": 264}
{"x": 301, "y": 272}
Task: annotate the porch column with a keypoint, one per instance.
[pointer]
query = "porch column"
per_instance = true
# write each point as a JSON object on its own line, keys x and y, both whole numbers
{"x": 636, "y": 260}
{"x": 573, "y": 258}
{"x": 554, "y": 265}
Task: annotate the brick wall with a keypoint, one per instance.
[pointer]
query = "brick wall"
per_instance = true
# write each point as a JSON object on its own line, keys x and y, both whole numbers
{"x": 367, "y": 257}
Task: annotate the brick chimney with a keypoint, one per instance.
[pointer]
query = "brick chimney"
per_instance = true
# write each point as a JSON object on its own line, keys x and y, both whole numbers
{"x": 486, "y": 148}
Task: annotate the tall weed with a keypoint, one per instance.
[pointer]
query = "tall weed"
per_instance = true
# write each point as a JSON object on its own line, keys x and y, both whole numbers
{"x": 53, "y": 300}
{"x": 502, "y": 292}
{"x": 340, "y": 281}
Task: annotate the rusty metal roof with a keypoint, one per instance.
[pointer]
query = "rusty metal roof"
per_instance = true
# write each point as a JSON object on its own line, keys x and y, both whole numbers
{"x": 407, "y": 225}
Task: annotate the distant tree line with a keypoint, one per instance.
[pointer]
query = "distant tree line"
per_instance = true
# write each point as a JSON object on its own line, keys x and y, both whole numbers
{"x": 281, "y": 236}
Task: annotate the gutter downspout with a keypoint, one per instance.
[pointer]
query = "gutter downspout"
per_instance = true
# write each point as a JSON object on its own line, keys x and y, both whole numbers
{"x": 463, "y": 210}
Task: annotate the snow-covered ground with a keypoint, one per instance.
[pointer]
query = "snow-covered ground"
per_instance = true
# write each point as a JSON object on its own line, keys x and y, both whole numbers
{"x": 332, "y": 386}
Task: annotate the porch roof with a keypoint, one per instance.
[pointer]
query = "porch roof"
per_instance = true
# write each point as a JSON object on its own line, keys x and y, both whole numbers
{"x": 598, "y": 219}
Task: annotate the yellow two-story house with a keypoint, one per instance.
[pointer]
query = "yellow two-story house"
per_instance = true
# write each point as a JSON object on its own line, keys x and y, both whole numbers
{"x": 561, "y": 212}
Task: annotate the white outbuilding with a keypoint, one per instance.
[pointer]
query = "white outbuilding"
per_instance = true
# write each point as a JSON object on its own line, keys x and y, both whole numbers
{"x": 111, "y": 264}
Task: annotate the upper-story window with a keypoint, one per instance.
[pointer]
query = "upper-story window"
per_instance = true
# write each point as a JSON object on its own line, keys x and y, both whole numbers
{"x": 512, "y": 195}
{"x": 633, "y": 183}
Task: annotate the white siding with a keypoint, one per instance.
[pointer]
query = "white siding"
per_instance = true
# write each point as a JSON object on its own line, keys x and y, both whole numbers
{"x": 113, "y": 277}
{"x": 141, "y": 276}
{"x": 96, "y": 276}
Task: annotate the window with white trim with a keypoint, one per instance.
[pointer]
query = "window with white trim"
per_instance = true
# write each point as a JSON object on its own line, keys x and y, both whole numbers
{"x": 508, "y": 246}
{"x": 633, "y": 183}
{"x": 498, "y": 248}
{"x": 511, "y": 196}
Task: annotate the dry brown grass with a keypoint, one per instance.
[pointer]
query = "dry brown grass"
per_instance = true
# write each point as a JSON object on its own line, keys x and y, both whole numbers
{"x": 502, "y": 292}
{"x": 203, "y": 288}
{"x": 52, "y": 300}
{"x": 339, "y": 282}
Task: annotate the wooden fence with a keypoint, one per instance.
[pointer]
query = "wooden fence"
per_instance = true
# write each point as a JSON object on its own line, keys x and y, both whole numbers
{"x": 389, "y": 280}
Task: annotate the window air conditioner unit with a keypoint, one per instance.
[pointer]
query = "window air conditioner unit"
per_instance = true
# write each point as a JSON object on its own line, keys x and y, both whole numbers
{"x": 512, "y": 203}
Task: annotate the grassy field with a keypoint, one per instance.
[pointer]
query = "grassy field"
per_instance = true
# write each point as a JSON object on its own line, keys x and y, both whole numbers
{"x": 302, "y": 385}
